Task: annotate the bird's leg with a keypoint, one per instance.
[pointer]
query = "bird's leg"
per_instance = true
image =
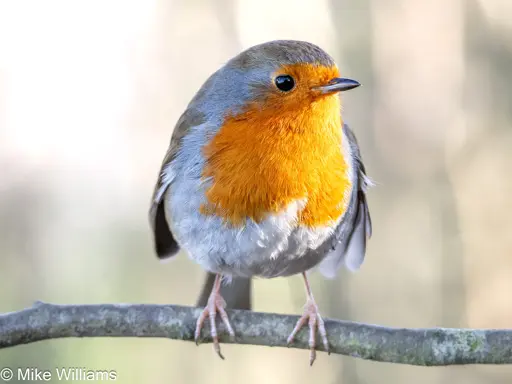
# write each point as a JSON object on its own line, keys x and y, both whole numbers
{"x": 315, "y": 321}
{"x": 215, "y": 304}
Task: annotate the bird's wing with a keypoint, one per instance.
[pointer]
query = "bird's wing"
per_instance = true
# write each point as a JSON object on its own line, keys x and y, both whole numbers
{"x": 164, "y": 241}
{"x": 351, "y": 248}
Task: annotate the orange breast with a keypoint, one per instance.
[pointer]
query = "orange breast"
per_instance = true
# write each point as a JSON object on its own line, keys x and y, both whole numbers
{"x": 260, "y": 161}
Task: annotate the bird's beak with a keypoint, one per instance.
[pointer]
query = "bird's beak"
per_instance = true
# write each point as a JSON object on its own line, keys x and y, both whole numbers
{"x": 338, "y": 84}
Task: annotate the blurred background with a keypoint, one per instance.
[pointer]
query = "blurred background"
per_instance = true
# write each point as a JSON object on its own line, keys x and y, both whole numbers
{"x": 90, "y": 92}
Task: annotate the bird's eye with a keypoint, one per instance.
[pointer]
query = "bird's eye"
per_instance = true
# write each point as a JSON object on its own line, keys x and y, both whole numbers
{"x": 284, "y": 83}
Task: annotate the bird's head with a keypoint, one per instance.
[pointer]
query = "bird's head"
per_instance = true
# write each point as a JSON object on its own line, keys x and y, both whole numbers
{"x": 284, "y": 76}
{"x": 289, "y": 75}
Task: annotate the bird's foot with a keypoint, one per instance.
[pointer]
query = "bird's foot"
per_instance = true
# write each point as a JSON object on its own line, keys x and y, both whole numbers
{"x": 215, "y": 304}
{"x": 315, "y": 321}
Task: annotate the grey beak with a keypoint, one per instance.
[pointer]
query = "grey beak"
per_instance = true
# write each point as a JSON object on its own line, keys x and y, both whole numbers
{"x": 338, "y": 84}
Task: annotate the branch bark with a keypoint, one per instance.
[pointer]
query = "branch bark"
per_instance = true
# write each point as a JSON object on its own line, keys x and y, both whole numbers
{"x": 427, "y": 347}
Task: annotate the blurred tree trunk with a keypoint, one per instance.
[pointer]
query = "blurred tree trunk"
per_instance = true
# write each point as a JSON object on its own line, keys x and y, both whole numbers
{"x": 21, "y": 209}
{"x": 413, "y": 114}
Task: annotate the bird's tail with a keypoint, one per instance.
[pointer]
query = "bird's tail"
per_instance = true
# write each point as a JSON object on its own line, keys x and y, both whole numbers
{"x": 237, "y": 293}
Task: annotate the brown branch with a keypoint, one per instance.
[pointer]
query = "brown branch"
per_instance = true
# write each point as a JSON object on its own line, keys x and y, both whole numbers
{"x": 436, "y": 346}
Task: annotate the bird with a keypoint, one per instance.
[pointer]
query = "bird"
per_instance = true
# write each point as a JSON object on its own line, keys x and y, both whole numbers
{"x": 263, "y": 178}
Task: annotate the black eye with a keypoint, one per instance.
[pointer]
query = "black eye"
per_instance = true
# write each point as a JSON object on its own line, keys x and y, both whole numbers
{"x": 285, "y": 83}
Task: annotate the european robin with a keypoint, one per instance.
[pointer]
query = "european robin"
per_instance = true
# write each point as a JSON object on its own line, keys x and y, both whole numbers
{"x": 263, "y": 178}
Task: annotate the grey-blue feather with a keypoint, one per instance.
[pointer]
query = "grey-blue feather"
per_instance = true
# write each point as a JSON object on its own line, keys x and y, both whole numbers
{"x": 349, "y": 247}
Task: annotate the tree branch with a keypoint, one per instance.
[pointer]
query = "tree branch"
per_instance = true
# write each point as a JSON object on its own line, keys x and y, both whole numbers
{"x": 436, "y": 346}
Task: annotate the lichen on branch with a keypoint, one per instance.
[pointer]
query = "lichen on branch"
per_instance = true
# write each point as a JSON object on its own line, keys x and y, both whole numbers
{"x": 427, "y": 347}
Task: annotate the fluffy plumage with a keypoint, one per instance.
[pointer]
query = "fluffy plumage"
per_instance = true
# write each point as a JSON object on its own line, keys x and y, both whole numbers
{"x": 267, "y": 185}
{"x": 262, "y": 182}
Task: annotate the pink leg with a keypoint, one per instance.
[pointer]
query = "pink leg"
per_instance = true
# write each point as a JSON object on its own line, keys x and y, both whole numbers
{"x": 315, "y": 321}
{"x": 215, "y": 303}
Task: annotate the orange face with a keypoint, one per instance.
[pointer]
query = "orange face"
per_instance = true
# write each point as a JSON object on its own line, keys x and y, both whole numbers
{"x": 307, "y": 78}
{"x": 284, "y": 147}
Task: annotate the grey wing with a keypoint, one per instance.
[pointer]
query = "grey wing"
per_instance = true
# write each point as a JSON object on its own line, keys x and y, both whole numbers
{"x": 353, "y": 233}
{"x": 164, "y": 241}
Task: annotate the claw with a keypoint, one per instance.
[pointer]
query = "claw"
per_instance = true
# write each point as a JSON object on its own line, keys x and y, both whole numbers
{"x": 215, "y": 304}
{"x": 323, "y": 334}
{"x": 298, "y": 326}
{"x": 315, "y": 322}
{"x": 216, "y": 347}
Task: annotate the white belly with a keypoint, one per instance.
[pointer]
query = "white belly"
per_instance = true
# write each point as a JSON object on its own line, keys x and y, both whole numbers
{"x": 252, "y": 249}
